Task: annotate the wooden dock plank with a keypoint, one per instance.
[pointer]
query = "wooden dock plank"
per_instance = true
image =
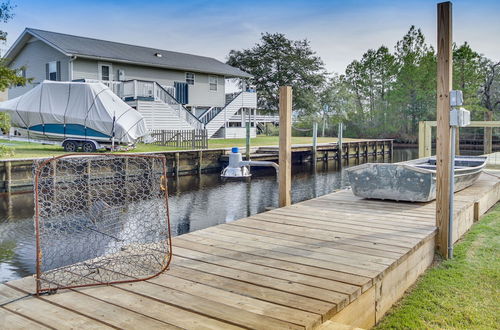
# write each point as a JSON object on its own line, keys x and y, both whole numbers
{"x": 359, "y": 264}
{"x": 336, "y": 257}
{"x": 362, "y": 263}
{"x": 298, "y": 289}
{"x": 371, "y": 222}
{"x": 352, "y": 229}
{"x": 303, "y": 246}
{"x": 286, "y": 265}
{"x": 326, "y": 310}
{"x": 351, "y": 213}
{"x": 193, "y": 251}
{"x": 344, "y": 246}
{"x": 33, "y": 307}
{"x": 166, "y": 309}
{"x": 15, "y": 321}
{"x": 93, "y": 308}
{"x": 257, "y": 306}
{"x": 368, "y": 240}
{"x": 359, "y": 275}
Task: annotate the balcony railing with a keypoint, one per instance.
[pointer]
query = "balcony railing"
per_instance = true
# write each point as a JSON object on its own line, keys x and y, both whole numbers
{"x": 151, "y": 91}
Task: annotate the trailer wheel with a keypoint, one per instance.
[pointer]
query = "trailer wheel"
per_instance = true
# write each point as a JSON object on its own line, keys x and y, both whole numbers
{"x": 88, "y": 147}
{"x": 70, "y": 146}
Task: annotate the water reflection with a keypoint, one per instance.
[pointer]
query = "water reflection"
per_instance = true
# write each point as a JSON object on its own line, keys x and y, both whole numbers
{"x": 196, "y": 202}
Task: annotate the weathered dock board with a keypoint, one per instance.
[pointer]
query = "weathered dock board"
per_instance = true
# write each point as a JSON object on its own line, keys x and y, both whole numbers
{"x": 333, "y": 262}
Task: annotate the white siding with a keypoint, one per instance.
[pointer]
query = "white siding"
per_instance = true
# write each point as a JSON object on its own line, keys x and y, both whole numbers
{"x": 243, "y": 100}
{"x": 200, "y": 94}
{"x": 34, "y": 56}
{"x": 158, "y": 115}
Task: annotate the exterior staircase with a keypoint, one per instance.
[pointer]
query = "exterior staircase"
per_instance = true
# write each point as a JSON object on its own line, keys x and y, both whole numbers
{"x": 159, "y": 115}
{"x": 161, "y": 110}
{"x": 157, "y": 105}
{"x": 215, "y": 118}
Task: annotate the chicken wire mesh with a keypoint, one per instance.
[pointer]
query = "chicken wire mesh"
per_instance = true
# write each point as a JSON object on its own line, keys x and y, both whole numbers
{"x": 100, "y": 219}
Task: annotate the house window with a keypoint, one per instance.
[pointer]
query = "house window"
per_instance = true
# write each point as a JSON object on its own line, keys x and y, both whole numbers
{"x": 52, "y": 70}
{"x": 190, "y": 78}
{"x": 105, "y": 72}
{"x": 212, "y": 82}
{"x": 21, "y": 73}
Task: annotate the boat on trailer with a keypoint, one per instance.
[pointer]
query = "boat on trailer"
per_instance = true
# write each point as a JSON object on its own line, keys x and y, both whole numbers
{"x": 86, "y": 115}
{"x": 413, "y": 181}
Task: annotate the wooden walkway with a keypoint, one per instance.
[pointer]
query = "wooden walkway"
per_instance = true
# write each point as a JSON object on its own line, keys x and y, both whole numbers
{"x": 334, "y": 262}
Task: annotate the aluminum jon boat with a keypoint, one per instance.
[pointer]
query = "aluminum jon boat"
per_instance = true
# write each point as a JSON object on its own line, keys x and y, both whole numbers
{"x": 413, "y": 181}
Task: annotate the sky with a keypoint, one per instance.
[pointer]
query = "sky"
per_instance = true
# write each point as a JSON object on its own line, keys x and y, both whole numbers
{"x": 339, "y": 31}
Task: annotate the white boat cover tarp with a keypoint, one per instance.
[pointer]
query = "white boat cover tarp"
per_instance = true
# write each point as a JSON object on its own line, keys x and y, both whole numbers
{"x": 84, "y": 107}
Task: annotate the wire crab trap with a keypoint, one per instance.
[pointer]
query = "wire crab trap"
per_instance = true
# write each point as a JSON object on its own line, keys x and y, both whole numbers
{"x": 100, "y": 219}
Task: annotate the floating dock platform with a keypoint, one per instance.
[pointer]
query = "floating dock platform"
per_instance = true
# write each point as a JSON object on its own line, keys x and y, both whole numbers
{"x": 333, "y": 262}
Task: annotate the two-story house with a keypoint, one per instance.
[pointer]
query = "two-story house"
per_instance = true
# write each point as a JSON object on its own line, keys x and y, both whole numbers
{"x": 171, "y": 90}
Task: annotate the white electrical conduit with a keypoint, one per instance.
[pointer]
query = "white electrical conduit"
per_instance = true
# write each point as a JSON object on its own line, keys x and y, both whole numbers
{"x": 261, "y": 163}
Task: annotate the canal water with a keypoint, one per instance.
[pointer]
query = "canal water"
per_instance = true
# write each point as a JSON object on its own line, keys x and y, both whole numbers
{"x": 196, "y": 202}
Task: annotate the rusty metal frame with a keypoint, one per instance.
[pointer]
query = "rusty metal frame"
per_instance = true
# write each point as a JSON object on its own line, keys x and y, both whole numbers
{"x": 164, "y": 188}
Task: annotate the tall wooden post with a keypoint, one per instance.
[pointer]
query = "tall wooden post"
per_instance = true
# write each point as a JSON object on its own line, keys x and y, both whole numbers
{"x": 285, "y": 153}
{"x": 339, "y": 144}
{"x": 315, "y": 143}
{"x": 443, "y": 160}
{"x": 488, "y": 134}
{"x": 247, "y": 144}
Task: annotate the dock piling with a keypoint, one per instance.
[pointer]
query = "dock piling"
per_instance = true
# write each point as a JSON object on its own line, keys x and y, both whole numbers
{"x": 285, "y": 146}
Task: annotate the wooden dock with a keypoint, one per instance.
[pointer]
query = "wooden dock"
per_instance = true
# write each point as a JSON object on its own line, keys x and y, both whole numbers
{"x": 353, "y": 151}
{"x": 333, "y": 262}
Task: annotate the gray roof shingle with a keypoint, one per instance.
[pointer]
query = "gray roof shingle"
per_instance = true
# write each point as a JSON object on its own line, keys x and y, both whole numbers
{"x": 102, "y": 49}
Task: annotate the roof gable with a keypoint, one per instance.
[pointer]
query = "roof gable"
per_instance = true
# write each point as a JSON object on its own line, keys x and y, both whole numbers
{"x": 114, "y": 51}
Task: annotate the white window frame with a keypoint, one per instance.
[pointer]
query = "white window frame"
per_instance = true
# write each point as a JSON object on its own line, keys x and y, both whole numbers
{"x": 22, "y": 73}
{"x": 210, "y": 83}
{"x": 194, "y": 78}
{"x": 53, "y": 63}
{"x": 99, "y": 70}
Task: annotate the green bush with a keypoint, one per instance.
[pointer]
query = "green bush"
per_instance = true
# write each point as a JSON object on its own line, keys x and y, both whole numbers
{"x": 271, "y": 130}
{"x": 6, "y": 151}
{"x": 4, "y": 123}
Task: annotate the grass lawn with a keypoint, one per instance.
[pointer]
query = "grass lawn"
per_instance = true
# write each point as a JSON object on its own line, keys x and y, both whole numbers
{"x": 462, "y": 293}
{"x": 28, "y": 150}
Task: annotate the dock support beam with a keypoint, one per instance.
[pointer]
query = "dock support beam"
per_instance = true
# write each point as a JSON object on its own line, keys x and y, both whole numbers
{"x": 315, "y": 143}
{"x": 443, "y": 160}
{"x": 177, "y": 164}
{"x": 247, "y": 149}
{"x": 200, "y": 161}
{"x": 285, "y": 152}
{"x": 8, "y": 176}
{"x": 339, "y": 145}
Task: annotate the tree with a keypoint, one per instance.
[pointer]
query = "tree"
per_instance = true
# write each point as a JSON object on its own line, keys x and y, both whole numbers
{"x": 469, "y": 71}
{"x": 370, "y": 80}
{"x": 8, "y": 76}
{"x": 414, "y": 92}
{"x": 277, "y": 61}
{"x": 490, "y": 99}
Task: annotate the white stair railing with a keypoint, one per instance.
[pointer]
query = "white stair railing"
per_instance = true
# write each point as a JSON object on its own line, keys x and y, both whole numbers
{"x": 242, "y": 100}
{"x": 134, "y": 89}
